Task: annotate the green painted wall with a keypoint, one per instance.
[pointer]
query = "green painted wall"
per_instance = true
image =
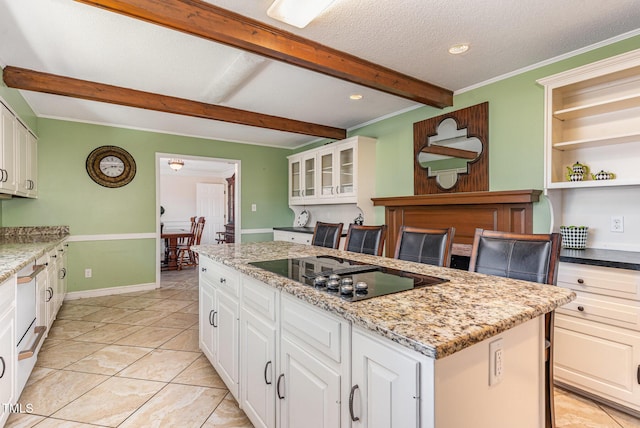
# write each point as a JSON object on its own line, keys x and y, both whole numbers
{"x": 68, "y": 196}
{"x": 516, "y": 133}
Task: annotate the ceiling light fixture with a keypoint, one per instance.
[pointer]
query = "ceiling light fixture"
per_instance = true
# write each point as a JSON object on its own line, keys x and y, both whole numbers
{"x": 459, "y": 48}
{"x": 298, "y": 13}
{"x": 176, "y": 164}
{"x": 355, "y": 97}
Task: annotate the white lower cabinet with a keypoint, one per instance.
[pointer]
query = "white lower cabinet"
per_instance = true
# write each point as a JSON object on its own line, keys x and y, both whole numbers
{"x": 314, "y": 367}
{"x": 597, "y": 336}
{"x": 386, "y": 387}
{"x": 300, "y": 366}
{"x": 259, "y": 334}
{"x": 600, "y": 359}
{"x": 8, "y": 357}
{"x": 219, "y": 321}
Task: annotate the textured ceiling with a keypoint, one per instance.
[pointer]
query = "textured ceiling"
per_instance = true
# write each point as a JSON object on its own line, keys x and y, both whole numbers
{"x": 412, "y": 36}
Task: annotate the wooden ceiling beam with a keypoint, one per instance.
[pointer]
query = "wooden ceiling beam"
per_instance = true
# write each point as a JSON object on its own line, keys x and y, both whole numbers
{"x": 30, "y": 80}
{"x": 205, "y": 20}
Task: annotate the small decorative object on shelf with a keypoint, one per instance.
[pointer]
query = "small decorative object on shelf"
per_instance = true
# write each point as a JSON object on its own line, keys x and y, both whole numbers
{"x": 603, "y": 175}
{"x": 359, "y": 220}
{"x": 577, "y": 172}
{"x": 574, "y": 237}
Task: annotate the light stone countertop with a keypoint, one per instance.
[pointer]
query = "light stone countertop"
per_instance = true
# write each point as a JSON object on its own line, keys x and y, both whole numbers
{"x": 21, "y": 246}
{"x": 436, "y": 321}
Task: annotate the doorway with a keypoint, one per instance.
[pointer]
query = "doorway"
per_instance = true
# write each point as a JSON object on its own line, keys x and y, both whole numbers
{"x": 197, "y": 188}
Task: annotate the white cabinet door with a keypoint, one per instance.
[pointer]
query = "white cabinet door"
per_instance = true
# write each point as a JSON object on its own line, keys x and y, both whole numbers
{"x": 385, "y": 387}
{"x": 295, "y": 179}
{"x": 7, "y": 362}
{"x": 346, "y": 171}
{"x": 207, "y": 318}
{"x": 326, "y": 173}
{"x": 8, "y": 178}
{"x": 601, "y": 359}
{"x": 258, "y": 369}
{"x": 227, "y": 357}
{"x": 31, "y": 173}
{"x": 308, "y": 390}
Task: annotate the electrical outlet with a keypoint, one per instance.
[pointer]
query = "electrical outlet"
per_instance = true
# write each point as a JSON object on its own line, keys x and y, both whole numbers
{"x": 496, "y": 362}
{"x": 617, "y": 223}
{"x": 254, "y": 207}
{"x": 87, "y": 273}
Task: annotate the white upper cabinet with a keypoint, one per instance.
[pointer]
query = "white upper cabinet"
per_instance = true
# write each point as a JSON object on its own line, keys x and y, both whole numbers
{"x": 342, "y": 172}
{"x": 18, "y": 157}
{"x": 592, "y": 118}
{"x": 8, "y": 178}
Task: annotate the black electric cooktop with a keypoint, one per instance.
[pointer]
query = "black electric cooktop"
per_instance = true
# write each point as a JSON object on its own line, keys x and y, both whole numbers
{"x": 349, "y": 279}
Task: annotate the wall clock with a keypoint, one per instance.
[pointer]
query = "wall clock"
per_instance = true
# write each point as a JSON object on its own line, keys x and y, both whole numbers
{"x": 111, "y": 166}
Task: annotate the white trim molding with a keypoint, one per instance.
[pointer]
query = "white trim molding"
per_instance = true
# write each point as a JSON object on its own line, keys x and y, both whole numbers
{"x": 111, "y": 237}
{"x": 99, "y": 292}
{"x": 253, "y": 231}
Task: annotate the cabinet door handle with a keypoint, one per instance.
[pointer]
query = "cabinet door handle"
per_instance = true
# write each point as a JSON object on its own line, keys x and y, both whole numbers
{"x": 278, "y": 386}
{"x": 266, "y": 367}
{"x": 214, "y": 323}
{"x": 4, "y": 367}
{"x": 353, "y": 391}
{"x": 223, "y": 280}
{"x": 580, "y": 281}
{"x": 581, "y": 308}
{"x": 49, "y": 294}
{"x": 638, "y": 374}
{"x": 204, "y": 269}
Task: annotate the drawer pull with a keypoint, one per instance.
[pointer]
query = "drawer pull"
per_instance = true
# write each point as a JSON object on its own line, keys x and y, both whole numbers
{"x": 638, "y": 374}
{"x": 581, "y": 308}
{"x": 223, "y": 280}
{"x": 4, "y": 367}
{"x": 204, "y": 269}
{"x": 28, "y": 353}
{"x": 580, "y": 281}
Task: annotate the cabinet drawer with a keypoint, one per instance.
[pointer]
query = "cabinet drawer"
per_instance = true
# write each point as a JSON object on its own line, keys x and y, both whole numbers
{"x": 298, "y": 238}
{"x": 601, "y": 280}
{"x": 260, "y": 299}
{"x": 605, "y": 309}
{"x": 223, "y": 278}
{"x": 317, "y": 329}
{"x": 599, "y": 359}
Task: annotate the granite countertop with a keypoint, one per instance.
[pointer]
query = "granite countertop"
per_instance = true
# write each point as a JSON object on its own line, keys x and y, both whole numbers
{"x": 20, "y": 246}
{"x": 436, "y": 321}
{"x": 602, "y": 257}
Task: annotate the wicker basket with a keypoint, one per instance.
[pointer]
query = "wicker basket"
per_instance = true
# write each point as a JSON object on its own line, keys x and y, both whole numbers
{"x": 574, "y": 237}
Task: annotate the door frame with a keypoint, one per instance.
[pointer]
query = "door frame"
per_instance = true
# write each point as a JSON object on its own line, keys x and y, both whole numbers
{"x": 238, "y": 221}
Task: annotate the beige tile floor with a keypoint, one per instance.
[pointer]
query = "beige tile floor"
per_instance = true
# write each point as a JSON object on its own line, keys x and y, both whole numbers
{"x": 132, "y": 360}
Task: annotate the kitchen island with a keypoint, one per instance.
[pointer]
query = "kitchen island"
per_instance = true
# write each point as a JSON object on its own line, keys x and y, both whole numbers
{"x": 438, "y": 337}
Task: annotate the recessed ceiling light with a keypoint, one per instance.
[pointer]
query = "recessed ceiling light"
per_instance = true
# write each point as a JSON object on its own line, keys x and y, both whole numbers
{"x": 355, "y": 96}
{"x": 298, "y": 13}
{"x": 459, "y": 48}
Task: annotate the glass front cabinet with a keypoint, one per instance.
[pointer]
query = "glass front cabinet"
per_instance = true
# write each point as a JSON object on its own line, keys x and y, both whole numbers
{"x": 336, "y": 173}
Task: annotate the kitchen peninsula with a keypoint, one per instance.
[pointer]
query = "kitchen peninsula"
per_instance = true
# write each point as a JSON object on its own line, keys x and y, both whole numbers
{"x": 415, "y": 358}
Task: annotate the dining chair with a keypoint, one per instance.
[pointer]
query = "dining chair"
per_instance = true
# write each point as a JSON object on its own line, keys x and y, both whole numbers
{"x": 529, "y": 257}
{"x": 366, "y": 239}
{"x": 429, "y": 246}
{"x": 186, "y": 256}
{"x": 327, "y": 234}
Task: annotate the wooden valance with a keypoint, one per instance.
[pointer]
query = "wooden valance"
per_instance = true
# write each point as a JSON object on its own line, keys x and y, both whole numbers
{"x": 509, "y": 211}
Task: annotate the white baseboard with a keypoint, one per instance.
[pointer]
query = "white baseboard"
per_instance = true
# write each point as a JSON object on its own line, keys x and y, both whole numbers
{"x": 74, "y": 295}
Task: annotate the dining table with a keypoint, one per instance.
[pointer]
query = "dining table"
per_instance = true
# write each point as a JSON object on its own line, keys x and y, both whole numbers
{"x": 171, "y": 239}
